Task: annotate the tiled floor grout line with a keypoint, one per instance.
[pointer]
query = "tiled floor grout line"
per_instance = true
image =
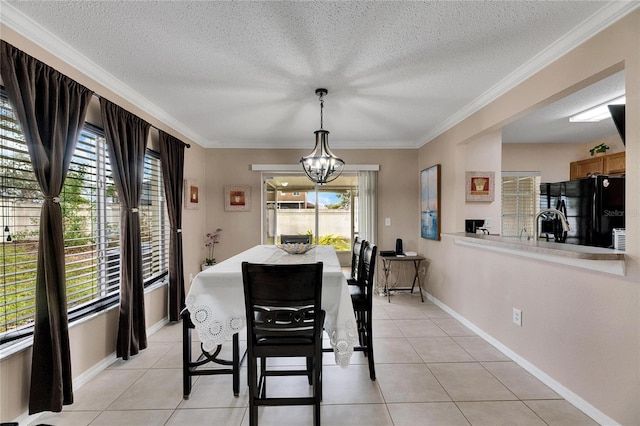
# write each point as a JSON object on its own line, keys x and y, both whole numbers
{"x": 476, "y": 361}
{"x": 435, "y": 377}
{"x": 399, "y": 316}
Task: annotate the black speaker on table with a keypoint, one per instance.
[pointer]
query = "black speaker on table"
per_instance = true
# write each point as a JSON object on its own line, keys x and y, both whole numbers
{"x": 399, "y": 246}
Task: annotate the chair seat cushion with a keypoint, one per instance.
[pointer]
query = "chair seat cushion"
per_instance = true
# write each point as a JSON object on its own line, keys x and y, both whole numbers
{"x": 356, "y": 291}
{"x": 352, "y": 281}
{"x": 358, "y": 298}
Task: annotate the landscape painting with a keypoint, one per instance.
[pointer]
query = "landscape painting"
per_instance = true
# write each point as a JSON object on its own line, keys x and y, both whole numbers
{"x": 430, "y": 203}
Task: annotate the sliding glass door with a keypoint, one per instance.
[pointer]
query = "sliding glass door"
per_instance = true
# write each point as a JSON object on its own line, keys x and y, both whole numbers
{"x": 294, "y": 206}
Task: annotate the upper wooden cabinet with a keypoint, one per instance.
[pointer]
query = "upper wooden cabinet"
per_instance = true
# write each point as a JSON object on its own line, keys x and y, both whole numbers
{"x": 611, "y": 164}
{"x": 614, "y": 164}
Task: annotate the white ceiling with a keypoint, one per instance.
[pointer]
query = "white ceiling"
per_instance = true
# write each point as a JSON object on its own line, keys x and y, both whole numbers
{"x": 243, "y": 74}
{"x": 551, "y": 123}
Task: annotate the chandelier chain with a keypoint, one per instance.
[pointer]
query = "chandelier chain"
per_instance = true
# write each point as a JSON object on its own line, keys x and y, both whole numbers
{"x": 321, "y": 111}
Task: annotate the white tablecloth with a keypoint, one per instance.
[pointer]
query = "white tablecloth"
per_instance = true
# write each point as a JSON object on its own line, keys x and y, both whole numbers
{"x": 216, "y": 298}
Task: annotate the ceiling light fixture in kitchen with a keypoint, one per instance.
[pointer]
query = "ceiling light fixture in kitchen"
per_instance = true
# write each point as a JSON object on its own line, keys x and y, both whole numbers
{"x": 598, "y": 112}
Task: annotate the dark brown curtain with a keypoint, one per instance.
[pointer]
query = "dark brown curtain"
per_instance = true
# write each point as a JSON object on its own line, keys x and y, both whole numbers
{"x": 51, "y": 109}
{"x": 126, "y": 136}
{"x": 172, "y": 160}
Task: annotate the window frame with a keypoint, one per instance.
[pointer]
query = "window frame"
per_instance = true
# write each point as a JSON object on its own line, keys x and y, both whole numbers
{"x": 308, "y": 192}
{"x": 76, "y": 313}
{"x": 534, "y": 196}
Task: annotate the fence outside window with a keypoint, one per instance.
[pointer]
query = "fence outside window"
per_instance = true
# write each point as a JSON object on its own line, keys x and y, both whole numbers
{"x": 91, "y": 222}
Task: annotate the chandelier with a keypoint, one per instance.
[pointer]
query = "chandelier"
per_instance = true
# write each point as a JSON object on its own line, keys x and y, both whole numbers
{"x": 322, "y": 165}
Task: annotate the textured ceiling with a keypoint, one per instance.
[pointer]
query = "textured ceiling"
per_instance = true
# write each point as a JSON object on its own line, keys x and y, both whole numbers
{"x": 243, "y": 74}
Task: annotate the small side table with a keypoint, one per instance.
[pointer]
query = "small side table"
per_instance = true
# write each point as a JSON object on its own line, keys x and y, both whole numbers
{"x": 386, "y": 264}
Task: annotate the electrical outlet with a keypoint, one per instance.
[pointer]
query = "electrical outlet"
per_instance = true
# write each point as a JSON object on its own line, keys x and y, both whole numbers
{"x": 517, "y": 317}
{"x": 387, "y": 221}
{"x": 487, "y": 222}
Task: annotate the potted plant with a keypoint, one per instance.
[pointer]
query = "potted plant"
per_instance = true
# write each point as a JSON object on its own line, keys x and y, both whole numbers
{"x": 210, "y": 241}
{"x": 599, "y": 149}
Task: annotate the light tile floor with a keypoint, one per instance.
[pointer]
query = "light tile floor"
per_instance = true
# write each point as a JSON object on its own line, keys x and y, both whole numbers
{"x": 431, "y": 370}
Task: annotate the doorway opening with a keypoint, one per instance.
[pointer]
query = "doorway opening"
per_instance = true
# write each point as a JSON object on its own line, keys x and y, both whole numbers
{"x": 293, "y": 205}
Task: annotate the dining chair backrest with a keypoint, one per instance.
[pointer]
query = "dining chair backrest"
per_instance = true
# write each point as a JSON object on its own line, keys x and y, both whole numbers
{"x": 295, "y": 239}
{"x": 367, "y": 272}
{"x": 356, "y": 257}
{"x": 284, "y": 319}
{"x": 362, "y": 300}
{"x": 282, "y": 301}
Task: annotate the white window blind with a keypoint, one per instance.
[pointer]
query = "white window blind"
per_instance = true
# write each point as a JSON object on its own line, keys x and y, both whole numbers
{"x": 520, "y": 199}
{"x": 91, "y": 222}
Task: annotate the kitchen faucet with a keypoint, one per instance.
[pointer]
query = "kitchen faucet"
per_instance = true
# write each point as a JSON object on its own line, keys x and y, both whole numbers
{"x": 563, "y": 220}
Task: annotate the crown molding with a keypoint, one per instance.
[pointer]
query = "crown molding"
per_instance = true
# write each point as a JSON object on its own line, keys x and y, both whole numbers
{"x": 31, "y": 30}
{"x": 34, "y": 32}
{"x": 604, "y": 17}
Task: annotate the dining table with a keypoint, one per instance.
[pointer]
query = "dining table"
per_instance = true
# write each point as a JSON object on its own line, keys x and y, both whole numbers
{"x": 216, "y": 298}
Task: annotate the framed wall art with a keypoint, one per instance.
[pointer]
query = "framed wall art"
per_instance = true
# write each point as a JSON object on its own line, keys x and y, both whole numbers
{"x": 430, "y": 203}
{"x": 479, "y": 186}
{"x": 191, "y": 194}
{"x": 237, "y": 198}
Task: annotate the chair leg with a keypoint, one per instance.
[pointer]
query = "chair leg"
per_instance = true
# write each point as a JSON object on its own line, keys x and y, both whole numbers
{"x": 319, "y": 375}
{"x": 317, "y": 388}
{"x": 252, "y": 372}
{"x": 369, "y": 352}
{"x": 316, "y": 414}
{"x": 360, "y": 326}
{"x": 236, "y": 365}
{"x": 263, "y": 377}
{"x": 186, "y": 359}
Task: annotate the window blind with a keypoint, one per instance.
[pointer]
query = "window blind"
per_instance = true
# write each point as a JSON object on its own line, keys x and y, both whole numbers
{"x": 91, "y": 222}
{"x": 520, "y": 198}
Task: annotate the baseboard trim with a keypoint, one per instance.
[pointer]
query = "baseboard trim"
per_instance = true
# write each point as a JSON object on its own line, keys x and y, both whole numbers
{"x": 560, "y": 389}
{"x": 92, "y": 372}
{"x": 96, "y": 369}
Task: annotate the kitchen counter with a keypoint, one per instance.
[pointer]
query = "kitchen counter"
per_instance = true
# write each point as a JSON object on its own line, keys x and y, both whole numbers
{"x": 594, "y": 258}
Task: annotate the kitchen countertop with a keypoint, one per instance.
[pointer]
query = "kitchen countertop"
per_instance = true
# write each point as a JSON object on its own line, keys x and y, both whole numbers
{"x": 595, "y": 258}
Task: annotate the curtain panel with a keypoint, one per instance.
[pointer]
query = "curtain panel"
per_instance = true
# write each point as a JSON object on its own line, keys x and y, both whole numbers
{"x": 368, "y": 205}
{"x": 127, "y": 136}
{"x": 51, "y": 109}
{"x": 172, "y": 160}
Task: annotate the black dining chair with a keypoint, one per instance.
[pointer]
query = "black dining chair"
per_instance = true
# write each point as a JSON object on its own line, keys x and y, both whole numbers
{"x": 356, "y": 260}
{"x": 203, "y": 364}
{"x": 284, "y": 319}
{"x": 362, "y": 299}
{"x": 295, "y": 239}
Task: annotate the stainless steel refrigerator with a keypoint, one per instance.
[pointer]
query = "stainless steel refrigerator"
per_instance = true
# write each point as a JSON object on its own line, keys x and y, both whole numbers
{"x": 593, "y": 207}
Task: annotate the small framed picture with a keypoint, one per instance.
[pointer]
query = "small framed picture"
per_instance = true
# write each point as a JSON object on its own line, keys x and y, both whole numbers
{"x": 479, "y": 186}
{"x": 191, "y": 194}
{"x": 237, "y": 198}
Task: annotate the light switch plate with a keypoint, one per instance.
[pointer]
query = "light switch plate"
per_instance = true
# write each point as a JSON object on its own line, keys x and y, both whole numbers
{"x": 517, "y": 317}
{"x": 387, "y": 221}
